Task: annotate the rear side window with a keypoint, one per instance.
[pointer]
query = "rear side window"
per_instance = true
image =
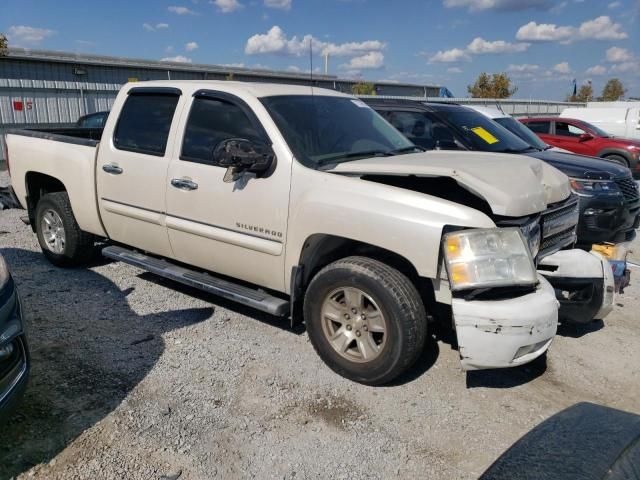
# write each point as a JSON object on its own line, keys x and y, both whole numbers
{"x": 210, "y": 122}
{"x": 539, "y": 127}
{"x": 144, "y": 123}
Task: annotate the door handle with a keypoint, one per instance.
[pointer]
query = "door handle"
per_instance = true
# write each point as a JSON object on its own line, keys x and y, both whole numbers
{"x": 113, "y": 169}
{"x": 184, "y": 184}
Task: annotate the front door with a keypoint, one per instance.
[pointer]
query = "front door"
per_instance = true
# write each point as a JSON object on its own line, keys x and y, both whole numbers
{"x": 236, "y": 228}
{"x": 567, "y": 136}
{"x": 132, "y": 169}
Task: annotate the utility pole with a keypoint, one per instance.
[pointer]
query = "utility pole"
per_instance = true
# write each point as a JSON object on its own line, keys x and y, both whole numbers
{"x": 326, "y": 63}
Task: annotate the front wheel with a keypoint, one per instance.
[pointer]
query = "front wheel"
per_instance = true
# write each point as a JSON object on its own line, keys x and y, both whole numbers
{"x": 60, "y": 237}
{"x": 365, "y": 319}
{"x": 618, "y": 159}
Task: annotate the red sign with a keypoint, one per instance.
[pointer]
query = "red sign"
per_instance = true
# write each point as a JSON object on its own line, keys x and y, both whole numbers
{"x": 18, "y": 106}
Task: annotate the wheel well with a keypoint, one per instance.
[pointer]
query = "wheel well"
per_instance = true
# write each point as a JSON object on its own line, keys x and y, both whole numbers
{"x": 37, "y": 185}
{"x": 320, "y": 250}
{"x": 622, "y": 155}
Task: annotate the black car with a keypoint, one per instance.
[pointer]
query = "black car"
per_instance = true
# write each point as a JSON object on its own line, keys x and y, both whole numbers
{"x": 609, "y": 197}
{"x": 14, "y": 353}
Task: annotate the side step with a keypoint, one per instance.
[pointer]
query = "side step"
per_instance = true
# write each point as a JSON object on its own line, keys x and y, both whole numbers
{"x": 202, "y": 281}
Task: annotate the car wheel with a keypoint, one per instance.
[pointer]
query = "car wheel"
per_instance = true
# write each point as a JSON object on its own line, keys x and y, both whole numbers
{"x": 60, "y": 237}
{"x": 619, "y": 159}
{"x": 365, "y": 319}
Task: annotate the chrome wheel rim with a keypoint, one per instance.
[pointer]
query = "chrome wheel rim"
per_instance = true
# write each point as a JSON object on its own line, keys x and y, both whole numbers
{"x": 53, "y": 231}
{"x": 353, "y": 324}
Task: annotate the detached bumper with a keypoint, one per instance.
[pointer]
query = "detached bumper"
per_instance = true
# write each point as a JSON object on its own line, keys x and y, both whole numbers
{"x": 505, "y": 333}
{"x": 583, "y": 283}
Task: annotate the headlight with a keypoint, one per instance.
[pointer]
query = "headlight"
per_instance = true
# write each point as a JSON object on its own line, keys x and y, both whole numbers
{"x": 480, "y": 258}
{"x": 588, "y": 188}
{"x": 4, "y": 273}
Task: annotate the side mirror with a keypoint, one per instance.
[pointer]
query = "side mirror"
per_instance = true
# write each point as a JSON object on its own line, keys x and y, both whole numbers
{"x": 447, "y": 145}
{"x": 240, "y": 155}
{"x": 585, "y": 137}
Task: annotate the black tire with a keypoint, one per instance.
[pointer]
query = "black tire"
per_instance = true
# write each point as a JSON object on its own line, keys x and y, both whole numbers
{"x": 618, "y": 159}
{"x": 397, "y": 299}
{"x": 79, "y": 247}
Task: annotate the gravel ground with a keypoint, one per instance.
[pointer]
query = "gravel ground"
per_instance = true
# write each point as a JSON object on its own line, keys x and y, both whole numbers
{"x": 136, "y": 377}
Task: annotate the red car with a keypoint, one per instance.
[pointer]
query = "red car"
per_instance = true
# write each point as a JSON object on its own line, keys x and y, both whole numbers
{"x": 586, "y": 139}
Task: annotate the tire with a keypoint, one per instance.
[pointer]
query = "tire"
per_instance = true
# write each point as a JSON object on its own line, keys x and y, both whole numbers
{"x": 387, "y": 315}
{"x": 72, "y": 247}
{"x": 618, "y": 159}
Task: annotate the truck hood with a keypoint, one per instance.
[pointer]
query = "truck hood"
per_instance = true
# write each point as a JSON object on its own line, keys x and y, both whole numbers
{"x": 580, "y": 166}
{"x": 512, "y": 185}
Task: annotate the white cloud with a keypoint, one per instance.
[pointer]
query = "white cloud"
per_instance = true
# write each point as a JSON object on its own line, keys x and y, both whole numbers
{"x": 454, "y": 70}
{"x": 596, "y": 70}
{"x": 562, "y": 67}
{"x": 502, "y": 5}
{"x": 626, "y": 67}
{"x": 233, "y": 65}
{"x": 22, "y": 34}
{"x": 275, "y": 41}
{"x": 293, "y": 68}
{"x": 280, "y": 4}
{"x": 180, "y": 10}
{"x": 371, "y": 60}
{"x": 523, "y": 68}
{"x": 480, "y": 46}
{"x": 619, "y": 55}
{"x": 177, "y": 58}
{"x": 160, "y": 26}
{"x": 152, "y": 28}
{"x": 191, "y": 46}
{"x": 613, "y": 5}
{"x": 450, "y": 56}
{"x": 227, "y": 6}
{"x": 601, "y": 28}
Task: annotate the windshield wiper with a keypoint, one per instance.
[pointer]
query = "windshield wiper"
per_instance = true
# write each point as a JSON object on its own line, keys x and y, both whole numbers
{"x": 398, "y": 151}
{"x": 354, "y": 155}
{"x": 514, "y": 150}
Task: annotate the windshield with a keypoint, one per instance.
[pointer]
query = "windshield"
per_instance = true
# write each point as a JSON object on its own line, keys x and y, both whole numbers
{"x": 598, "y": 131}
{"x": 522, "y": 131}
{"x": 325, "y": 130}
{"x": 483, "y": 133}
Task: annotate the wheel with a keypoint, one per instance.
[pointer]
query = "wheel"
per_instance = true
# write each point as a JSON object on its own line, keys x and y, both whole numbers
{"x": 619, "y": 159}
{"x": 365, "y": 319}
{"x": 60, "y": 237}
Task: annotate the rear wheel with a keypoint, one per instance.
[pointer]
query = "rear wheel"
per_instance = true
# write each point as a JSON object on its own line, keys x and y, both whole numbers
{"x": 365, "y": 319}
{"x": 619, "y": 159}
{"x": 60, "y": 237}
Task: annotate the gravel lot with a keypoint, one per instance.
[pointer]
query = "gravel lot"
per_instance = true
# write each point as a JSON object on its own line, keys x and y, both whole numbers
{"x": 136, "y": 377}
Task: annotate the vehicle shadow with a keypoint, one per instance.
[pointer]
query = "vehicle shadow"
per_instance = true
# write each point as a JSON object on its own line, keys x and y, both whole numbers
{"x": 507, "y": 377}
{"x": 89, "y": 349}
{"x": 579, "y": 330}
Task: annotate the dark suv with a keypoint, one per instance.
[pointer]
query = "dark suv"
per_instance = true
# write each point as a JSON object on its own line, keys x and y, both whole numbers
{"x": 609, "y": 198}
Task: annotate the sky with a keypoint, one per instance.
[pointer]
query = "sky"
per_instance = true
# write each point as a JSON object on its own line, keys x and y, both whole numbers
{"x": 542, "y": 44}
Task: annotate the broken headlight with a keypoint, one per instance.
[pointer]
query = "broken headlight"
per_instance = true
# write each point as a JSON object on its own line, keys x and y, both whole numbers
{"x": 482, "y": 258}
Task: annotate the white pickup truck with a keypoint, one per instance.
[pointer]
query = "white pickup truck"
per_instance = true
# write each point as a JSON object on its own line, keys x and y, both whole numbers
{"x": 305, "y": 202}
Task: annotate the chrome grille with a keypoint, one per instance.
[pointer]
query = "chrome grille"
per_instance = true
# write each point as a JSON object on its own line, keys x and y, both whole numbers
{"x": 629, "y": 189}
{"x": 557, "y": 242}
{"x": 559, "y": 225}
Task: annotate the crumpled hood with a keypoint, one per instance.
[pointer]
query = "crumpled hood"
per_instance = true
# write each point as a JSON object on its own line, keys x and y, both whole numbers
{"x": 512, "y": 185}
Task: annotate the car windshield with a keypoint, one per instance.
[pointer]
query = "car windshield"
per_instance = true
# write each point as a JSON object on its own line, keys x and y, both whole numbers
{"x": 522, "y": 131}
{"x": 598, "y": 131}
{"x": 483, "y": 133}
{"x": 325, "y": 130}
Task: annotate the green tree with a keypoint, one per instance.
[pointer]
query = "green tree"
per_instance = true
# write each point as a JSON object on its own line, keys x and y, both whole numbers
{"x": 612, "y": 91}
{"x": 585, "y": 94}
{"x": 497, "y": 85}
{"x": 363, "y": 88}
{"x": 4, "y": 44}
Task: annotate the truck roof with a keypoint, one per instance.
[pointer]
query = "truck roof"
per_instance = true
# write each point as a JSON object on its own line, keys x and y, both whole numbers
{"x": 251, "y": 88}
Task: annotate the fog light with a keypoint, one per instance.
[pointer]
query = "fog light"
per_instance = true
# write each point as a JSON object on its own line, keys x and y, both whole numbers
{"x": 5, "y": 352}
{"x": 527, "y": 349}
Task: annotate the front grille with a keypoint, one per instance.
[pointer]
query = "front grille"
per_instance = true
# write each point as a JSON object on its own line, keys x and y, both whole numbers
{"x": 629, "y": 189}
{"x": 557, "y": 242}
{"x": 559, "y": 218}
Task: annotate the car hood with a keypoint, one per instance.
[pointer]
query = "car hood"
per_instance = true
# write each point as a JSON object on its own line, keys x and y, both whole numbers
{"x": 622, "y": 142}
{"x": 512, "y": 185}
{"x": 581, "y": 166}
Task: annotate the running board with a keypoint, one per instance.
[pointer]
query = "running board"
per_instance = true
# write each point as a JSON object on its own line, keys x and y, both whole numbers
{"x": 238, "y": 293}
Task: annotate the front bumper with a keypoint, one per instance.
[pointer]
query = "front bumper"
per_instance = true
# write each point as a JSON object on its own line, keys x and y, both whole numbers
{"x": 505, "y": 333}
{"x": 14, "y": 370}
{"x": 606, "y": 218}
{"x": 583, "y": 283}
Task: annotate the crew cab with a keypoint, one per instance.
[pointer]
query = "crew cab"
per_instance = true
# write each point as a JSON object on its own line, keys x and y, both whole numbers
{"x": 306, "y": 203}
{"x": 584, "y": 138}
{"x": 606, "y": 214}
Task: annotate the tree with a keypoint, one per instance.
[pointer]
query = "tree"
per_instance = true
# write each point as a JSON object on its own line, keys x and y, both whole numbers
{"x": 612, "y": 91}
{"x": 497, "y": 85}
{"x": 363, "y": 88}
{"x": 585, "y": 94}
{"x": 3, "y": 44}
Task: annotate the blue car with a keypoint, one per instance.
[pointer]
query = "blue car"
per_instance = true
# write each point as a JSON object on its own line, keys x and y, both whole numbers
{"x": 14, "y": 353}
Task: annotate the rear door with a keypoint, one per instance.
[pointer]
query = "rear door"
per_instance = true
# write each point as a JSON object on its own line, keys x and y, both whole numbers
{"x": 132, "y": 169}
{"x": 542, "y": 128}
{"x": 236, "y": 228}
{"x": 567, "y": 136}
